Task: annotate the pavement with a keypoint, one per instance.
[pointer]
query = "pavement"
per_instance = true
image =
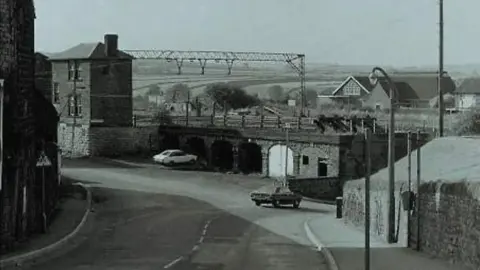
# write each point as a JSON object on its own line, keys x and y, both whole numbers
{"x": 67, "y": 220}
{"x": 146, "y": 217}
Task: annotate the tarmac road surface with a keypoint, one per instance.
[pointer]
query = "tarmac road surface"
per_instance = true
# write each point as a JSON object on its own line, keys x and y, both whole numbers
{"x": 149, "y": 218}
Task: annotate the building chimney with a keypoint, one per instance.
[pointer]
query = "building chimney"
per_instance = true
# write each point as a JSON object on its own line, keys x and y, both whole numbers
{"x": 111, "y": 45}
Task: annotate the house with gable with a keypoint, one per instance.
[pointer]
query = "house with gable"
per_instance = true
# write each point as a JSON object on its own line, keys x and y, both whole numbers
{"x": 351, "y": 92}
{"x": 93, "y": 88}
{"x": 467, "y": 95}
{"x": 414, "y": 89}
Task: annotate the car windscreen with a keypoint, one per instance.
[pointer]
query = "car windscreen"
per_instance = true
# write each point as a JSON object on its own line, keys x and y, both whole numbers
{"x": 165, "y": 153}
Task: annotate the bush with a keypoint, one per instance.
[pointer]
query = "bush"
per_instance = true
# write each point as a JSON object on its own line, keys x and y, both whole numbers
{"x": 467, "y": 124}
{"x": 231, "y": 96}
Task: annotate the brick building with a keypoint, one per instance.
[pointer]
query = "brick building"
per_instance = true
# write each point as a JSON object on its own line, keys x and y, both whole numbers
{"x": 23, "y": 129}
{"x": 94, "y": 83}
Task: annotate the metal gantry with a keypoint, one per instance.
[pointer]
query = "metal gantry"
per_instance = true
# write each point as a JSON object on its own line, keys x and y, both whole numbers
{"x": 294, "y": 60}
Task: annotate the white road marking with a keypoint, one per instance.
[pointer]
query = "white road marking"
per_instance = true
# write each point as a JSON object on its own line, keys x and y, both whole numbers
{"x": 177, "y": 260}
{"x": 202, "y": 236}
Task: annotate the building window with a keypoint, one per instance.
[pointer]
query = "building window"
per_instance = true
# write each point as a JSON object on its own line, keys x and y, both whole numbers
{"x": 351, "y": 89}
{"x": 75, "y": 105}
{"x": 305, "y": 160}
{"x": 378, "y": 106}
{"x": 74, "y": 71}
{"x": 106, "y": 70}
{"x": 56, "y": 93}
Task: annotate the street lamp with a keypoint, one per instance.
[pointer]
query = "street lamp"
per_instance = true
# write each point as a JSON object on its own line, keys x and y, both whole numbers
{"x": 391, "y": 151}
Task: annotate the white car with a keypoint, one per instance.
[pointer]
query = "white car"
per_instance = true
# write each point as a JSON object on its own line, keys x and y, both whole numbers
{"x": 172, "y": 157}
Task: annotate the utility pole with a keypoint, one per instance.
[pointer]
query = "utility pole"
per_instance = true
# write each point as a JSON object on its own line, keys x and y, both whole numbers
{"x": 74, "y": 95}
{"x": 368, "y": 139}
{"x": 187, "y": 113}
{"x": 1, "y": 130}
{"x": 287, "y": 127}
{"x": 440, "y": 72}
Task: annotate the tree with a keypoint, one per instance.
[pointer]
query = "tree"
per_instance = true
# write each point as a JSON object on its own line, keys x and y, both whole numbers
{"x": 154, "y": 90}
{"x": 177, "y": 93}
{"x": 276, "y": 93}
{"x": 233, "y": 97}
{"x": 162, "y": 117}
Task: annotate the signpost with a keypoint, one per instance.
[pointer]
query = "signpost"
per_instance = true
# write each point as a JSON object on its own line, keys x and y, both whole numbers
{"x": 43, "y": 162}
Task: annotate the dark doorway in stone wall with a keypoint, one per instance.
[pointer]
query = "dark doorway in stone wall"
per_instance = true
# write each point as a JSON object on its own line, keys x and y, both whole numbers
{"x": 322, "y": 168}
{"x": 250, "y": 158}
{"x": 196, "y": 146}
{"x": 169, "y": 141}
{"x": 222, "y": 155}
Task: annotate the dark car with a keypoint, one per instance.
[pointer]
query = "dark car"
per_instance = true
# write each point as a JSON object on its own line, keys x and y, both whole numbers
{"x": 276, "y": 195}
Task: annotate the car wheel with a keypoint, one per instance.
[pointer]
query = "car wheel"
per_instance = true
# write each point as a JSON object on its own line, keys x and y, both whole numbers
{"x": 275, "y": 203}
{"x": 171, "y": 163}
{"x": 257, "y": 203}
{"x": 296, "y": 204}
{"x": 191, "y": 161}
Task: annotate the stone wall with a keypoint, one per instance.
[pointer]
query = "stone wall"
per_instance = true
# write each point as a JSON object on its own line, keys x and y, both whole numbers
{"x": 323, "y": 188}
{"x": 81, "y": 146}
{"x": 116, "y": 141}
{"x": 449, "y": 221}
{"x": 449, "y": 227}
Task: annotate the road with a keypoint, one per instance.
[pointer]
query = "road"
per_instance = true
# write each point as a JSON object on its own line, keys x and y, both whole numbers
{"x": 151, "y": 218}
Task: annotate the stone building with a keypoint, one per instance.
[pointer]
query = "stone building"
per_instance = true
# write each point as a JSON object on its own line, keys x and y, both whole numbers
{"x": 23, "y": 130}
{"x": 94, "y": 84}
{"x": 43, "y": 77}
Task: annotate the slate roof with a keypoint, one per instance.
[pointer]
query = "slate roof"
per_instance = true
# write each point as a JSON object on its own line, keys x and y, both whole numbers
{"x": 469, "y": 86}
{"x": 365, "y": 82}
{"x": 422, "y": 85}
{"x": 84, "y": 51}
{"x": 413, "y": 85}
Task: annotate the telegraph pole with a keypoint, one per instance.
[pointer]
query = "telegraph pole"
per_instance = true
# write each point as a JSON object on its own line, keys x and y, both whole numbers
{"x": 2, "y": 81}
{"x": 440, "y": 72}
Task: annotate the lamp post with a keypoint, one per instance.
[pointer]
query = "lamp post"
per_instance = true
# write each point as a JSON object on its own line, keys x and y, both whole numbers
{"x": 391, "y": 151}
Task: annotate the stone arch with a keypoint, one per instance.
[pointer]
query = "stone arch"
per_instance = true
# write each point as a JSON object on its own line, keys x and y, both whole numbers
{"x": 222, "y": 155}
{"x": 250, "y": 157}
{"x": 277, "y": 160}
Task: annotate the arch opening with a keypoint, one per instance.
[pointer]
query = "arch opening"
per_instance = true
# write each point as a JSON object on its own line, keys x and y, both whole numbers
{"x": 250, "y": 158}
{"x": 279, "y": 158}
{"x": 169, "y": 141}
{"x": 197, "y": 147}
{"x": 222, "y": 155}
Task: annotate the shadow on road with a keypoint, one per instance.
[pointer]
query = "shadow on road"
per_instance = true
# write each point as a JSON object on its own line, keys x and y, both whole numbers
{"x": 300, "y": 209}
{"x": 96, "y": 163}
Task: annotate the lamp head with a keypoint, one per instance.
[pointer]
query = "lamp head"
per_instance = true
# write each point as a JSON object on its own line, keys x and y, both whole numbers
{"x": 373, "y": 78}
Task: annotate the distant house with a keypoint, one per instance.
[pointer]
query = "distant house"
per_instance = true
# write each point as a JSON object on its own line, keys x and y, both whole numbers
{"x": 467, "y": 95}
{"x": 414, "y": 89}
{"x": 94, "y": 82}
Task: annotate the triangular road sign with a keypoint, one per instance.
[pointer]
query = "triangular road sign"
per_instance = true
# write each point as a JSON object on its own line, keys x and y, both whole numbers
{"x": 43, "y": 160}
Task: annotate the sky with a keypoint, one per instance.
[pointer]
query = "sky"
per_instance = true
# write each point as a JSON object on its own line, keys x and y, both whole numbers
{"x": 349, "y": 32}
